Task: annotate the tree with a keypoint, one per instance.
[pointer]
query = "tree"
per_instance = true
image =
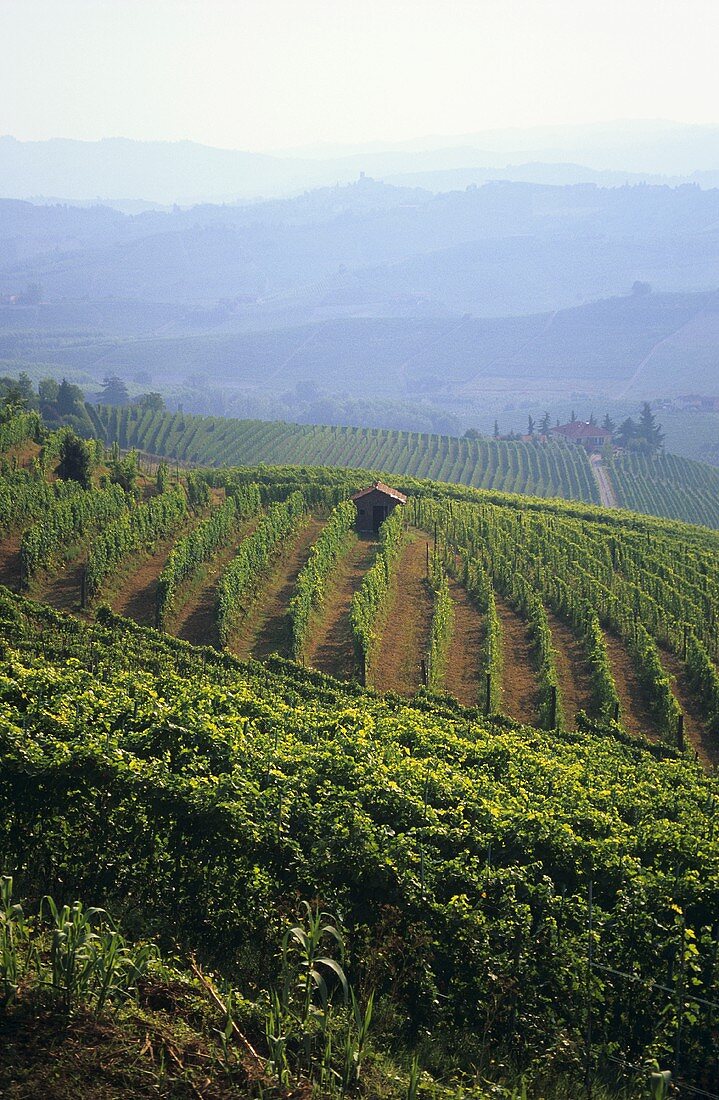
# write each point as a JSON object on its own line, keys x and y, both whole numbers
{"x": 48, "y": 390}
{"x": 640, "y": 288}
{"x": 18, "y": 393}
{"x": 592, "y": 420}
{"x": 70, "y": 399}
{"x": 154, "y": 401}
{"x": 124, "y": 471}
{"x": 530, "y": 425}
{"x": 496, "y": 429}
{"x": 573, "y": 417}
{"x": 545, "y": 424}
{"x": 114, "y": 392}
{"x": 472, "y": 433}
{"x": 75, "y": 459}
{"x": 650, "y": 433}
{"x": 608, "y": 424}
{"x": 13, "y": 399}
{"x": 626, "y": 434}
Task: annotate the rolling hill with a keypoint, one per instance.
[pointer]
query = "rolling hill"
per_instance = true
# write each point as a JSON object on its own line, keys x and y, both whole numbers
{"x": 500, "y": 249}
{"x": 666, "y": 485}
{"x": 630, "y": 348}
{"x": 534, "y": 756}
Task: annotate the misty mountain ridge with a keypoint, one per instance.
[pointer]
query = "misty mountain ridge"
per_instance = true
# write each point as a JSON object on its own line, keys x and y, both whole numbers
{"x": 371, "y": 249}
{"x": 120, "y": 169}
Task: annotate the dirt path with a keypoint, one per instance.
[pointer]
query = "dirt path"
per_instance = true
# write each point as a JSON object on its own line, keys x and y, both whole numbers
{"x": 652, "y": 351}
{"x": 463, "y": 676}
{"x": 61, "y": 590}
{"x": 635, "y": 715}
{"x": 266, "y": 628}
{"x": 695, "y": 732}
{"x": 10, "y": 561}
{"x": 196, "y": 620}
{"x": 575, "y": 682}
{"x": 397, "y": 662}
{"x": 604, "y": 483}
{"x": 331, "y": 648}
{"x": 135, "y": 597}
{"x": 520, "y": 691}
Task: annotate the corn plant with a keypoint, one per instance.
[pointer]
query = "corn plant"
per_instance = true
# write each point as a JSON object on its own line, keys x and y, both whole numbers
{"x": 88, "y": 959}
{"x": 276, "y": 1036}
{"x": 303, "y": 962}
{"x": 415, "y": 1077}
{"x": 355, "y": 1039}
{"x": 71, "y": 950}
{"x": 118, "y": 967}
{"x": 300, "y": 1011}
{"x": 660, "y": 1082}
{"x": 14, "y": 930}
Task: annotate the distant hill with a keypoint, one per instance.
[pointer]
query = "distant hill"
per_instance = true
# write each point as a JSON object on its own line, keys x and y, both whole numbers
{"x": 117, "y": 169}
{"x": 376, "y": 304}
{"x": 372, "y": 250}
{"x": 631, "y": 348}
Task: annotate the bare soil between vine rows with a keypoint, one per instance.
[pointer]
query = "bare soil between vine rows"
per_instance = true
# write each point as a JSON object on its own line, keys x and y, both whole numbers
{"x": 695, "y": 732}
{"x": 520, "y": 689}
{"x": 463, "y": 673}
{"x": 331, "y": 648}
{"x": 397, "y": 663}
{"x": 196, "y": 620}
{"x": 635, "y": 715}
{"x": 266, "y": 629}
{"x": 10, "y": 562}
{"x": 575, "y": 681}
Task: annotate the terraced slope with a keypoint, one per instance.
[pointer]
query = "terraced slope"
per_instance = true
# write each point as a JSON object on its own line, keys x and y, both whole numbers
{"x": 588, "y": 601}
{"x": 667, "y": 485}
{"x": 543, "y": 470}
{"x": 220, "y": 793}
{"x": 201, "y": 797}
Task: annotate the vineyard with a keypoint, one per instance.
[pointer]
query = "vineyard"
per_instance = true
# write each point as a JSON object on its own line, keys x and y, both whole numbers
{"x": 542, "y": 470}
{"x": 486, "y": 743}
{"x": 667, "y": 485}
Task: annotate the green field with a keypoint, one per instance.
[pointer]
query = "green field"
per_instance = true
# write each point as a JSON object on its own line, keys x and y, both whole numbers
{"x": 669, "y": 485}
{"x": 526, "y": 889}
{"x": 539, "y": 470}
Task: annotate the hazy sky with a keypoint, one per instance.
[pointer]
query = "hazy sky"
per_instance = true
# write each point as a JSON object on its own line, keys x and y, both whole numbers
{"x": 264, "y": 74}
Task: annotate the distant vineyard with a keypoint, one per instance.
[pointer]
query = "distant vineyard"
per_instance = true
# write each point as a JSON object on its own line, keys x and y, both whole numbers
{"x": 538, "y": 752}
{"x": 667, "y": 485}
{"x": 541, "y": 470}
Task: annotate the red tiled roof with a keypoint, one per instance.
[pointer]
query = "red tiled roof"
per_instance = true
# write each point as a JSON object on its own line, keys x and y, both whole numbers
{"x": 380, "y": 487}
{"x": 579, "y": 429}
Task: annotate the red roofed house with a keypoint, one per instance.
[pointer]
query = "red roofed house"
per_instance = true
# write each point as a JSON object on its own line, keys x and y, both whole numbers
{"x": 373, "y": 506}
{"x": 586, "y": 435}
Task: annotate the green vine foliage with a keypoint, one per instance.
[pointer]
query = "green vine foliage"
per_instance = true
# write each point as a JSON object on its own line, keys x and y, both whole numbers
{"x": 197, "y": 797}
{"x": 19, "y": 428}
{"x": 192, "y": 552}
{"x": 238, "y": 586}
{"x": 69, "y": 519}
{"x": 370, "y": 601}
{"x": 311, "y": 583}
{"x": 441, "y": 628}
{"x": 136, "y": 530}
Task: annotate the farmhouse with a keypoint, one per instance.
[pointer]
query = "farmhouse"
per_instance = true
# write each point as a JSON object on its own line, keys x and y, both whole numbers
{"x": 586, "y": 435}
{"x": 373, "y": 506}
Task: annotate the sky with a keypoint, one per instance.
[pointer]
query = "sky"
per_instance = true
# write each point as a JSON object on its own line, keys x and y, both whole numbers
{"x": 279, "y": 74}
